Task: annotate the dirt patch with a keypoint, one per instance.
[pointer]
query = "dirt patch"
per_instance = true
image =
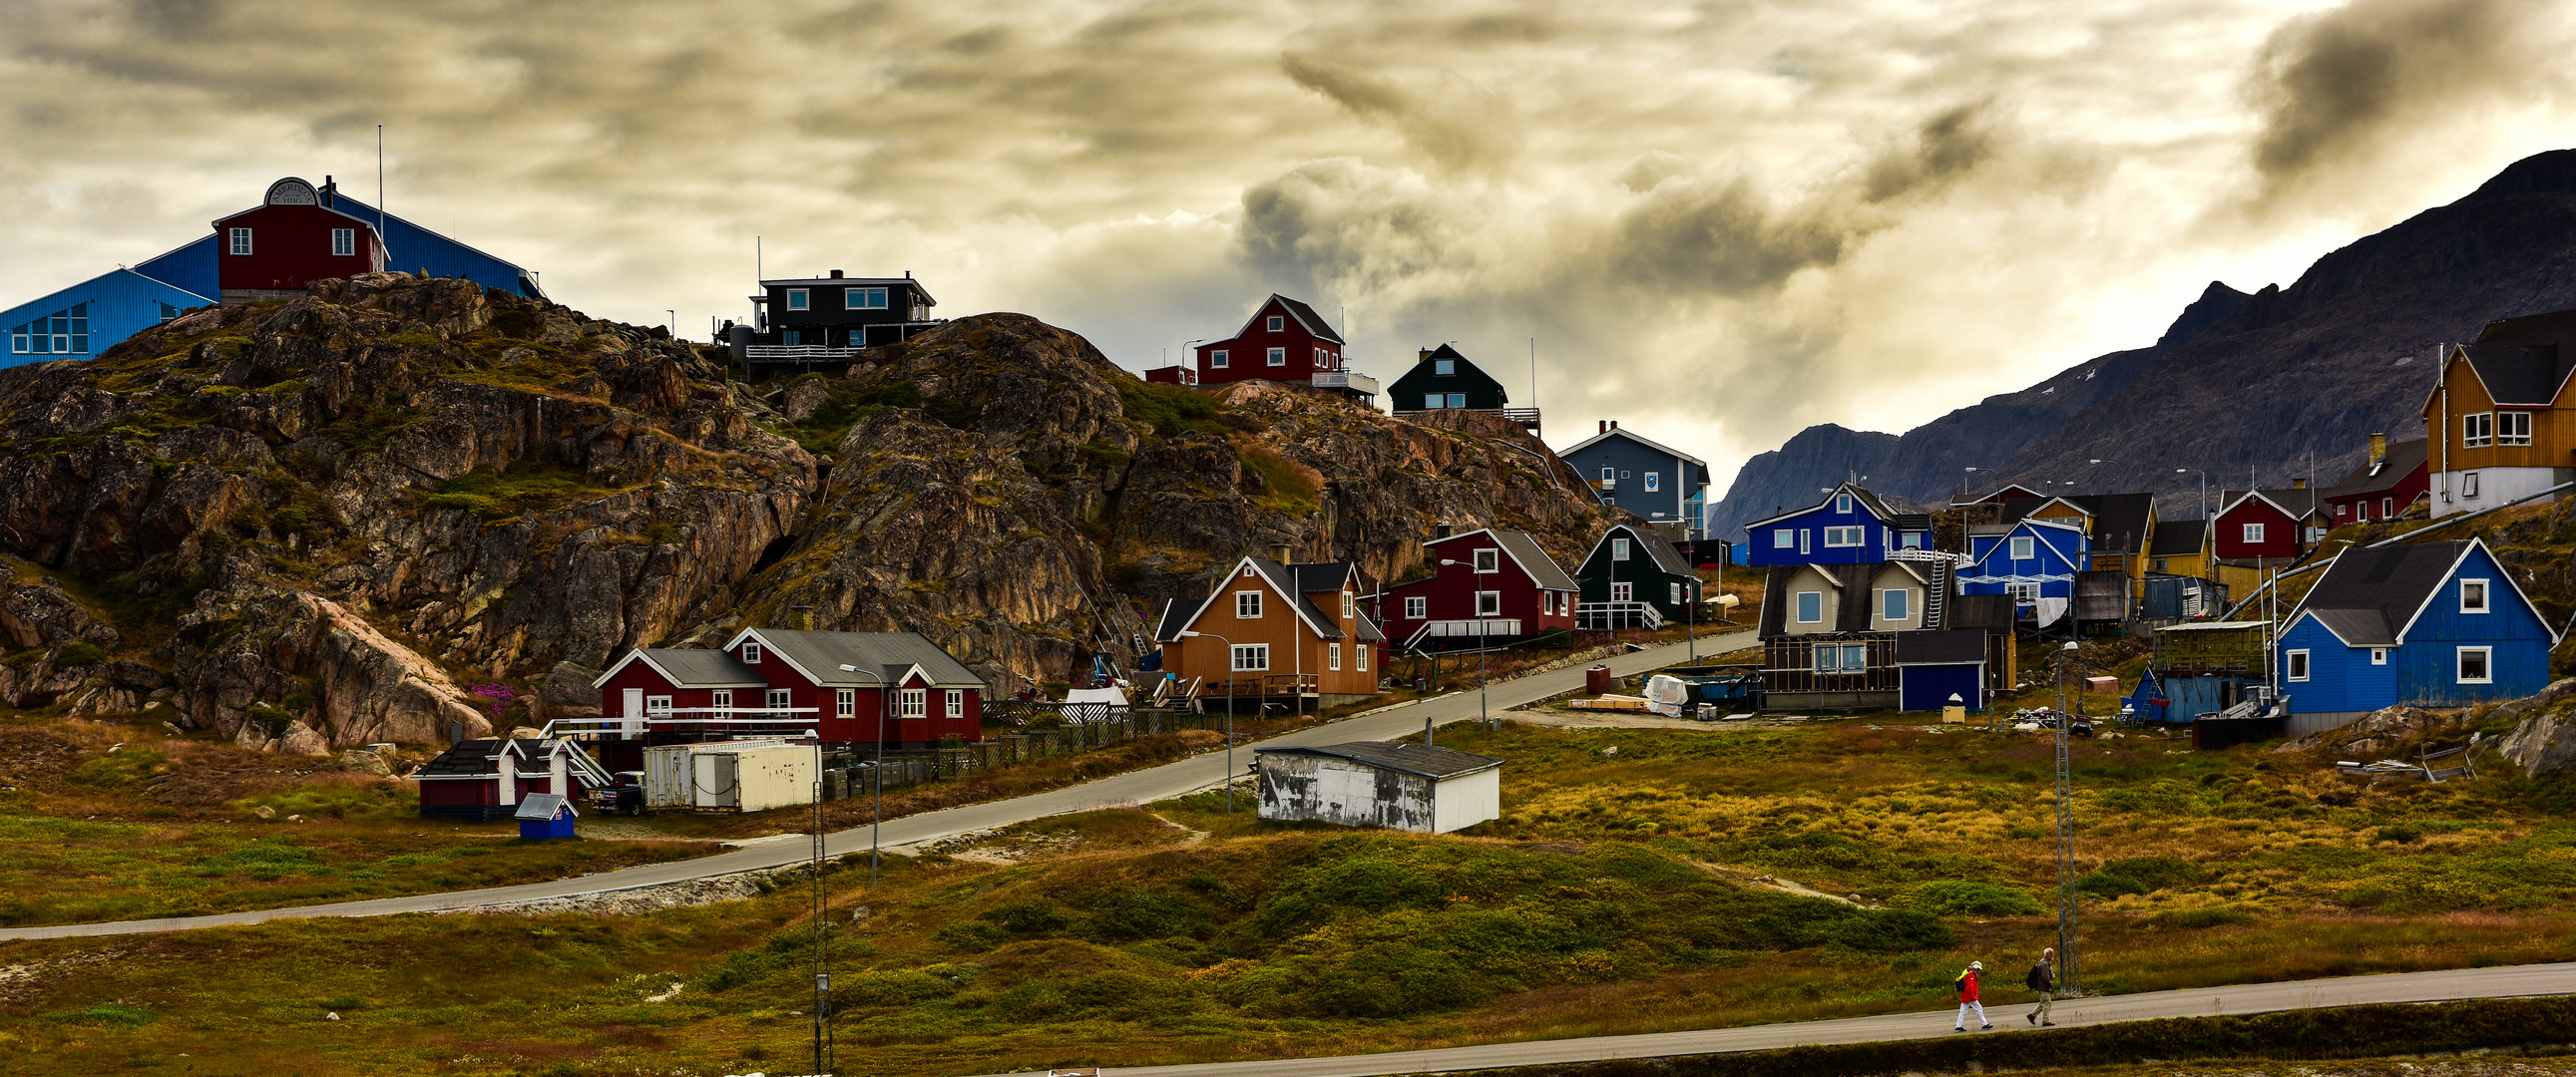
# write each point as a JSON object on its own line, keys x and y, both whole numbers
{"x": 1572, "y": 719}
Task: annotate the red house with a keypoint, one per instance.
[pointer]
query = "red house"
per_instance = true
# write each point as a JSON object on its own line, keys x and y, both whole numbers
{"x": 478, "y": 781}
{"x": 289, "y": 241}
{"x": 2382, "y": 489}
{"x": 2265, "y": 525}
{"x": 840, "y": 686}
{"x": 1284, "y": 340}
{"x": 1490, "y": 584}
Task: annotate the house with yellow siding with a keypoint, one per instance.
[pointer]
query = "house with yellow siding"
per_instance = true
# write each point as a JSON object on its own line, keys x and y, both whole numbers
{"x": 2500, "y": 423}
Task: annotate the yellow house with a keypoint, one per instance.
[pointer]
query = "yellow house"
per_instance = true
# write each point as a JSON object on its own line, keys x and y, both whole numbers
{"x": 2500, "y": 424}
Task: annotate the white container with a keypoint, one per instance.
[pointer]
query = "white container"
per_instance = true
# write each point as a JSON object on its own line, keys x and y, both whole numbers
{"x": 730, "y": 775}
{"x": 666, "y": 778}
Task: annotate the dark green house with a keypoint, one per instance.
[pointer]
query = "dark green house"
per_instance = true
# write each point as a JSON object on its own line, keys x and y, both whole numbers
{"x": 1441, "y": 379}
{"x": 1634, "y": 578}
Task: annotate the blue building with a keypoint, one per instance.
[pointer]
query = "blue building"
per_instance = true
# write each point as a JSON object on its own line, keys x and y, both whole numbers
{"x": 2034, "y": 561}
{"x": 1850, "y": 526}
{"x": 1663, "y": 484}
{"x": 2434, "y": 624}
{"x": 83, "y": 320}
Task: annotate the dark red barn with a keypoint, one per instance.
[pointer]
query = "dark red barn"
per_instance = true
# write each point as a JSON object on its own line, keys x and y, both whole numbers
{"x": 288, "y": 242}
{"x": 768, "y": 681}
{"x": 1492, "y": 585}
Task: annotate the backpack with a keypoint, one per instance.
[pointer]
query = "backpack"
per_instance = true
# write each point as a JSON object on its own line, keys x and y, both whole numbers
{"x": 2032, "y": 981}
{"x": 1960, "y": 986}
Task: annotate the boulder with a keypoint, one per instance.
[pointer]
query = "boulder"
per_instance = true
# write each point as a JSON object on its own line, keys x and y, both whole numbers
{"x": 2379, "y": 731}
{"x": 365, "y": 761}
{"x": 566, "y": 693}
{"x": 803, "y": 399}
{"x": 2544, "y": 735}
{"x": 41, "y": 614}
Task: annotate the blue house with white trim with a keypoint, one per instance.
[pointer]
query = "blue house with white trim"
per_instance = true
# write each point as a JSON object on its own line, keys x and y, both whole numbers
{"x": 1850, "y": 526}
{"x": 2034, "y": 561}
{"x": 1633, "y": 472}
{"x": 2432, "y": 624}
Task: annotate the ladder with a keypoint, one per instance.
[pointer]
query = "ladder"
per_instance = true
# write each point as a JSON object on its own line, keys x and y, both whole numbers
{"x": 1936, "y": 598}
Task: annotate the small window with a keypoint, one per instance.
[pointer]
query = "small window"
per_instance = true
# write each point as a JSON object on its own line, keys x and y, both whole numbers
{"x": 1618, "y": 549}
{"x": 1323, "y": 358}
{"x": 1489, "y": 603}
{"x": 957, "y": 703}
{"x": 1811, "y": 607}
{"x": 1457, "y": 400}
{"x": 1609, "y": 474}
{"x": 863, "y": 299}
{"x": 779, "y": 701}
{"x": 791, "y": 336}
{"x": 241, "y": 241}
{"x": 657, "y": 706}
{"x": 845, "y": 702}
{"x": 1842, "y": 503}
{"x": 344, "y": 242}
{"x": 1247, "y": 605}
{"x": 2468, "y": 484}
{"x": 2022, "y": 592}
{"x": 1216, "y": 359}
{"x": 1277, "y": 323}
{"x": 1251, "y": 657}
{"x": 1802, "y": 539}
{"x": 2477, "y": 665}
{"x": 1434, "y": 401}
{"x": 1416, "y": 608}
{"x": 1279, "y": 357}
{"x": 1350, "y": 605}
{"x": 2253, "y": 532}
{"x": 2024, "y": 548}
{"x": 2477, "y": 430}
{"x": 1784, "y": 538}
{"x": 1676, "y": 598}
{"x": 2297, "y": 661}
{"x": 916, "y": 703}
{"x": 798, "y": 299}
{"x": 1897, "y": 603}
{"x": 1623, "y": 592}
{"x": 1362, "y": 650}
{"x": 722, "y": 700}
{"x": 1333, "y": 656}
{"x": 2379, "y": 656}
{"x": 1489, "y": 560}
{"x": 1444, "y": 367}
{"x": 1855, "y": 657}
{"x": 2160, "y": 564}
{"x": 2473, "y": 596}
{"x": 2513, "y": 428}
{"x": 1249, "y": 572}
{"x": 2387, "y": 508}
{"x": 751, "y": 654}
{"x": 1829, "y": 658}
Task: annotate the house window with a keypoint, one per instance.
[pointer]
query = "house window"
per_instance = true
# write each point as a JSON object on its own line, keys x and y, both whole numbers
{"x": 1417, "y": 608}
{"x": 2477, "y": 430}
{"x": 1784, "y": 538}
{"x": 2297, "y": 661}
{"x": 1842, "y": 504}
{"x": 2022, "y": 592}
{"x": 2513, "y": 428}
{"x": 63, "y": 332}
{"x": 1321, "y": 358}
{"x": 2024, "y": 547}
{"x": 1361, "y": 652}
{"x": 344, "y": 242}
{"x": 2473, "y": 596}
{"x": 1676, "y": 598}
{"x": 1619, "y": 547}
{"x": 1898, "y": 604}
{"x": 1811, "y": 607}
{"x": 1845, "y": 536}
{"x": 1444, "y": 367}
{"x": 722, "y": 700}
{"x": 657, "y": 706}
{"x": 1251, "y": 657}
{"x": 751, "y": 654}
{"x": 241, "y": 241}
{"x": 1249, "y": 572}
{"x": 2379, "y": 656}
{"x": 779, "y": 701}
{"x": 1609, "y": 475}
{"x": 1217, "y": 359}
{"x": 2160, "y": 564}
{"x": 2253, "y": 532}
{"x": 845, "y": 703}
{"x": 1278, "y": 357}
{"x": 1912, "y": 540}
{"x": 863, "y": 299}
{"x": 1247, "y": 605}
{"x": 916, "y": 703}
{"x": 1434, "y": 402}
{"x": 957, "y": 703}
{"x": 1333, "y": 656}
{"x": 1489, "y": 603}
{"x": 1489, "y": 560}
{"x": 1841, "y": 657}
{"x": 2387, "y": 507}
{"x": 798, "y": 299}
{"x": 2468, "y": 484}
{"x": 1350, "y": 605}
{"x": 1457, "y": 400}
{"x": 1623, "y": 592}
{"x": 791, "y": 336}
{"x": 1654, "y": 481}
{"x": 2477, "y": 665}
{"x": 1802, "y": 539}
{"x": 1277, "y": 323}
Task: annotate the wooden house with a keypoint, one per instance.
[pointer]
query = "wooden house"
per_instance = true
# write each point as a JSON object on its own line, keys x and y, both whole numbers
{"x": 1634, "y": 578}
{"x": 2384, "y": 487}
{"x": 1486, "y": 586}
{"x": 1850, "y": 526}
{"x": 1662, "y": 484}
{"x": 2500, "y": 421}
{"x": 2119, "y": 529}
{"x": 781, "y": 682}
{"x": 2008, "y": 492}
{"x": 277, "y": 249}
{"x": 1830, "y": 632}
{"x": 1398, "y": 786}
{"x": 2033, "y": 561}
{"x": 1935, "y": 667}
{"x": 2180, "y": 548}
{"x": 1271, "y": 632}
{"x": 2256, "y": 533}
{"x": 2433, "y": 624}
{"x": 832, "y": 316}
{"x": 479, "y": 781}
{"x": 1284, "y": 340}
{"x": 1444, "y": 380}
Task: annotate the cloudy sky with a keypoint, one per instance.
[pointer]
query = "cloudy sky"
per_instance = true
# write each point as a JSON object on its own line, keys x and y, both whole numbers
{"x": 1721, "y": 221}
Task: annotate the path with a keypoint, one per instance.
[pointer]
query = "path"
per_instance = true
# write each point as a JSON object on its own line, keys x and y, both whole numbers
{"x": 2198, "y": 1002}
{"x": 1134, "y": 787}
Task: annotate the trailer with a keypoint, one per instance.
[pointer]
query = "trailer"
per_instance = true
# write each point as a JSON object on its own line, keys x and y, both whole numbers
{"x": 731, "y": 776}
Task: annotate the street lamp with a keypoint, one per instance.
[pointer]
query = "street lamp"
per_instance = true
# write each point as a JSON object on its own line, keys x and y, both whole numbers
{"x": 1229, "y": 711}
{"x": 2066, "y": 927}
{"x": 1482, "y": 715}
{"x": 2204, "y": 488}
{"x": 876, "y": 814}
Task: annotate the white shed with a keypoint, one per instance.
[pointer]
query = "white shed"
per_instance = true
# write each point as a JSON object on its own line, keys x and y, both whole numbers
{"x": 1373, "y": 783}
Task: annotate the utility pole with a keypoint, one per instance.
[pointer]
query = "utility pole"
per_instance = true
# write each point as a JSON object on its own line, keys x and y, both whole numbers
{"x": 2066, "y": 928}
{"x": 1229, "y": 712}
{"x": 822, "y": 921}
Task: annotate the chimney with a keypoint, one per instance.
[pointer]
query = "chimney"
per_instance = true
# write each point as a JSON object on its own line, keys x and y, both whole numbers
{"x": 1614, "y": 424}
{"x": 2378, "y": 449}
{"x": 836, "y": 274}
{"x": 330, "y": 191}
{"x": 1420, "y": 354}
{"x": 1439, "y": 531}
{"x": 1279, "y": 553}
{"x": 1605, "y": 427}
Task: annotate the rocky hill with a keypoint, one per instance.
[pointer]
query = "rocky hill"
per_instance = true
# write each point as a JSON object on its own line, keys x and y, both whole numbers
{"x": 2240, "y": 381}
{"x": 325, "y": 521}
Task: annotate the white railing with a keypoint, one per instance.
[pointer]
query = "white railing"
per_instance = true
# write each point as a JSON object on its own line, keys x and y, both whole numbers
{"x": 1605, "y": 616}
{"x": 1483, "y": 626}
{"x": 1345, "y": 379}
{"x": 799, "y": 351}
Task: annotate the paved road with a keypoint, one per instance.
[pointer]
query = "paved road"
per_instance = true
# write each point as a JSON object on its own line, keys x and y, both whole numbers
{"x": 2200, "y": 1002}
{"x": 1134, "y": 787}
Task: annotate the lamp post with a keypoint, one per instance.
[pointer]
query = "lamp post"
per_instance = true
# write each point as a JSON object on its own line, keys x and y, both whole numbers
{"x": 1483, "y": 715}
{"x": 876, "y": 781}
{"x": 2066, "y": 927}
{"x": 1229, "y": 712}
{"x": 2204, "y": 488}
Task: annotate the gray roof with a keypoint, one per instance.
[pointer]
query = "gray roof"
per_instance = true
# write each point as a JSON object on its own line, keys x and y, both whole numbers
{"x": 2178, "y": 538}
{"x": 856, "y": 282}
{"x": 543, "y": 806}
{"x": 1534, "y": 560}
{"x": 1958, "y": 646}
{"x": 695, "y": 667}
{"x": 822, "y": 654}
{"x": 1666, "y": 556}
{"x": 1994, "y": 613}
{"x": 1432, "y": 763}
{"x": 2367, "y": 595}
{"x": 465, "y": 759}
{"x": 1284, "y": 577}
{"x": 2400, "y": 461}
{"x": 1175, "y": 620}
{"x": 2522, "y": 374}
{"x": 1313, "y": 322}
{"x": 2120, "y": 521}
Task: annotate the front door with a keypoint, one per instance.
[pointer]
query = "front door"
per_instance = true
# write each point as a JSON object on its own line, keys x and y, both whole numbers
{"x": 634, "y": 703}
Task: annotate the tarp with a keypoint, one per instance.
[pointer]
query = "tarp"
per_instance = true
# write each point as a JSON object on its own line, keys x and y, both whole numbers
{"x": 1664, "y": 695}
{"x": 2048, "y": 610}
{"x": 2148, "y": 702}
{"x": 1111, "y": 696}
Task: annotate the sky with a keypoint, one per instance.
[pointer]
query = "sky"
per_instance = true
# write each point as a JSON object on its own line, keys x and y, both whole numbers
{"x": 1717, "y": 222}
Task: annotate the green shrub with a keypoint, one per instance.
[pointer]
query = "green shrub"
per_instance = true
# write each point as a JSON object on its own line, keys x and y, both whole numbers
{"x": 2202, "y": 917}
{"x": 972, "y": 936}
{"x": 1895, "y": 931}
{"x": 107, "y": 1015}
{"x": 1960, "y": 897}
{"x": 1127, "y": 913}
{"x": 2140, "y": 875}
{"x": 119, "y": 768}
{"x": 1027, "y": 917}
{"x": 77, "y": 654}
{"x": 2400, "y": 834}
{"x": 1169, "y": 409}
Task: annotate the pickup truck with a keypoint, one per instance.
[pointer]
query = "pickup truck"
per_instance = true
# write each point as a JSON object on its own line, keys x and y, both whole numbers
{"x": 625, "y": 797}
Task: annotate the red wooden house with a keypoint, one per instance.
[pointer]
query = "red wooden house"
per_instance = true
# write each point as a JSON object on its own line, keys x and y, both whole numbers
{"x": 1491, "y": 585}
{"x": 1284, "y": 340}
{"x": 2268, "y": 525}
{"x": 842, "y": 687}
{"x": 478, "y": 781}
{"x": 287, "y": 242}
{"x": 2383, "y": 488}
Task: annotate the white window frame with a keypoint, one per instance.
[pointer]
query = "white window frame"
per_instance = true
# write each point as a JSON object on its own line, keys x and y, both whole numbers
{"x": 957, "y": 703}
{"x": 657, "y": 706}
{"x": 240, "y": 241}
{"x": 750, "y": 654}
{"x": 1896, "y": 604}
{"x": 2459, "y": 662}
{"x": 800, "y": 299}
{"x": 1333, "y": 657}
{"x": 2024, "y": 548}
{"x": 1217, "y": 359}
{"x": 2022, "y": 592}
{"x": 2477, "y": 430}
{"x": 1654, "y": 481}
{"x": 1853, "y": 535}
{"x": 1676, "y": 588}
{"x": 1623, "y": 591}
{"x": 2513, "y": 428}
{"x": 2387, "y": 507}
{"x": 1276, "y": 357}
{"x": 1826, "y": 657}
{"x": 2468, "y": 484}
{"x": 859, "y": 299}
{"x": 776, "y": 700}
{"x": 1803, "y": 534}
{"x": 344, "y": 242}
{"x": 1798, "y": 607}
{"x": 1416, "y": 607}
{"x": 1618, "y": 549}
{"x": 845, "y": 703}
{"x": 1251, "y": 658}
{"x": 1489, "y": 559}
{"x": 1842, "y": 504}
{"x": 1276, "y": 323}
{"x": 721, "y": 700}
{"x": 1350, "y": 605}
{"x": 1247, "y": 605}
{"x": 2294, "y": 665}
{"x": 2253, "y": 532}
{"x": 2379, "y": 656}
{"x": 1489, "y": 603}
{"x": 2485, "y": 593}
{"x": 1457, "y": 400}
{"x": 915, "y": 703}
{"x": 1360, "y": 650}
{"x": 1784, "y": 538}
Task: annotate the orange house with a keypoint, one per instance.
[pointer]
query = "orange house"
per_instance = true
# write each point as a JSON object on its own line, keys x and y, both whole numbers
{"x": 2500, "y": 423}
{"x": 1273, "y": 632}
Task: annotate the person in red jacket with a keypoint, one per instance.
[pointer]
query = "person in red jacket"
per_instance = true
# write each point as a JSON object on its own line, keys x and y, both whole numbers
{"x": 1967, "y": 984}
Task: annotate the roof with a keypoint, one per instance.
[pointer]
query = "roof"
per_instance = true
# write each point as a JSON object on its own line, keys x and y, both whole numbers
{"x": 2121, "y": 522}
{"x": 1661, "y": 549}
{"x": 1994, "y": 613}
{"x": 856, "y": 282}
{"x": 1958, "y": 646}
{"x": 2294, "y": 502}
{"x": 2367, "y": 595}
{"x": 544, "y": 806}
{"x": 1995, "y": 493}
{"x": 465, "y": 759}
{"x": 1432, "y": 763}
{"x": 1297, "y": 309}
{"x": 2179, "y": 538}
{"x": 1535, "y": 561}
{"x": 1641, "y": 439}
{"x": 2523, "y": 374}
{"x": 1283, "y": 580}
{"x": 1318, "y": 577}
{"x": 690, "y": 667}
{"x": 2394, "y": 466}
{"x": 820, "y": 656}
{"x": 1176, "y": 617}
{"x": 1867, "y": 499}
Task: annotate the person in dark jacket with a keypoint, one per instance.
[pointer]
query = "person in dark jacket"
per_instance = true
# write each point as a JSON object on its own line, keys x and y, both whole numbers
{"x": 2043, "y": 979}
{"x": 1968, "y": 998}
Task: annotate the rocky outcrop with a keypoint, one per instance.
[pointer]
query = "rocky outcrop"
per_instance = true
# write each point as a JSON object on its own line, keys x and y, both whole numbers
{"x": 40, "y": 614}
{"x": 2544, "y": 733}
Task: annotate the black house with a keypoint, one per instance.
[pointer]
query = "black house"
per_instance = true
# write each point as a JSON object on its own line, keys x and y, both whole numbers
{"x": 836, "y": 313}
{"x": 1443, "y": 379}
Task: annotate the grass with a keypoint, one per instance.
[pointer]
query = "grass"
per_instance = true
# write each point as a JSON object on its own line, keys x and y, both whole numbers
{"x": 525, "y": 487}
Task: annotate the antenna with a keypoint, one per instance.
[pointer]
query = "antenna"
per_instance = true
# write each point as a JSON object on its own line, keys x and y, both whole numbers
{"x": 380, "y": 194}
{"x": 1533, "y": 372}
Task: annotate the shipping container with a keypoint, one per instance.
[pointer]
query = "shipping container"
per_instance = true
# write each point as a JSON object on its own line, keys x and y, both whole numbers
{"x": 732, "y": 776}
